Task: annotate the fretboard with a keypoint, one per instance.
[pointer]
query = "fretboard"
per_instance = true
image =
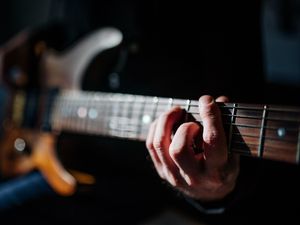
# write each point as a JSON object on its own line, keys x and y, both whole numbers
{"x": 264, "y": 131}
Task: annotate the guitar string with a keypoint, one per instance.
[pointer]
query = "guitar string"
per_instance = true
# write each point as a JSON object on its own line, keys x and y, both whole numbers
{"x": 125, "y": 133}
{"x": 224, "y": 114}
{"x": 192, "y": 103}
{"x": 243, "y": 148}
{"x": 135, "y": 125}
{"x": 244, "y": 125}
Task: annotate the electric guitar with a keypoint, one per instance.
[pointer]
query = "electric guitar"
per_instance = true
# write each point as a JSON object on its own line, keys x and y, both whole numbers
{"x": 264, "y": 131}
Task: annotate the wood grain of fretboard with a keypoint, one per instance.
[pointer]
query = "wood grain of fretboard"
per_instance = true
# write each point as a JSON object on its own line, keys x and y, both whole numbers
{"x": 265, "y": 131}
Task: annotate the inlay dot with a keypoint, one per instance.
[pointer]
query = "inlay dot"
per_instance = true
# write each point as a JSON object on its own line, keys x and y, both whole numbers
{"x": 82, "y": 112}
{"x": 93, "y": 113}
{"x": 281, "y": 132}
{"x": 146, "y": 119}
{"x": 20, "y": 144}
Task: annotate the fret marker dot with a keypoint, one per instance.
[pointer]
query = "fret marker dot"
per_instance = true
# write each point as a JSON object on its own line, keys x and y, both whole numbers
{"x": 146, "y": 119}
{"x": 281, "y": 132}
{"x": 82, "y": 112}
{"x": 93, "y": 113}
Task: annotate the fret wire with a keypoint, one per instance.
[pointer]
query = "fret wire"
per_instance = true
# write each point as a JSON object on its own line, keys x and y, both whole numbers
{"x": 72, "y": 122}
{"x": 155, "y": 102}
{"x": 232, "y": 120}
{"x": 90, "y": 120}
{"x": 103, "y": 109}
{"x": 188, "y": 105}
{"x": 76, "y": 110}
{"x": 131, "y": 100}
{"x": 170, "y": 103}
{"x": 141, "y": 114}
{"x": 84, "y": 118}
{"x": 75, "y": 115}
{"x": 75, "y": 119}
{"x": 119, "y": 112}
{"x": 107, "y": 113}
{"x": 187, "y": 108}
{"x": 262, "y": 130}
{"x": 57, "y": 117}
{"x": 88, "y": 106}
{"x": 55, "y": 114}
{"x": 69, "y": 107}
{"x": 99, "y": 106}
{"x": 149, "y": 113}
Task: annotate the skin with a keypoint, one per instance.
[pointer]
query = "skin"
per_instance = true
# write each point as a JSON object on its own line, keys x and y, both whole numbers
{"x": 206, "y": 176}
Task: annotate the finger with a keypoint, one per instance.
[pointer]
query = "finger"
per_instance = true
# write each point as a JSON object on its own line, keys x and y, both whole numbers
{"x": 182, "y": 153}
{"x": 222, "y": 98}
{"x": 149, "y": 144}
{"x": 162, "y": 141}
{"x": 214, "y": 141}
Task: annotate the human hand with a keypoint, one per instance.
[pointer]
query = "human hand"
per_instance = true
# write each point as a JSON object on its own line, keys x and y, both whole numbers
{"x": 207, "y": 176}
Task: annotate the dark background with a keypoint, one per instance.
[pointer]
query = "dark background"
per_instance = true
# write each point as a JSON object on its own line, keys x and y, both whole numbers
{"x": 249, "y": 51}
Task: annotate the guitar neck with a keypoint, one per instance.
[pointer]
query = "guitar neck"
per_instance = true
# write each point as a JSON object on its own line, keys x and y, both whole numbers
{"x": 263, "y": 131}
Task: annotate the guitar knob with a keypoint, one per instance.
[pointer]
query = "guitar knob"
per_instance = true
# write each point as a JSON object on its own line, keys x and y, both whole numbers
{"x": 21, "y": 146}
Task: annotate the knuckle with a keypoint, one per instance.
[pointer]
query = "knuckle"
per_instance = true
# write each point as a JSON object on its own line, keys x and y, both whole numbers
{"x": 149, "y": 145}
{"x": 158, "y": 144}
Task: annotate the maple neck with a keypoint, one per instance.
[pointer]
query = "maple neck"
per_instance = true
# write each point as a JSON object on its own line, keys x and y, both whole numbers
{"x": 255, "y": 130}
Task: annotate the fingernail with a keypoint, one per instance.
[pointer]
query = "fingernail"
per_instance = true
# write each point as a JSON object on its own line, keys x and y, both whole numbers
{"x": 205, "y": 100}
{"x": 171, "y": 179}
{"x": 188, "y": 180}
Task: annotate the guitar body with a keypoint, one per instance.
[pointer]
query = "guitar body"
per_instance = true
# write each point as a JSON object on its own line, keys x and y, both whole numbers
{"x": 94, "y": 55}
